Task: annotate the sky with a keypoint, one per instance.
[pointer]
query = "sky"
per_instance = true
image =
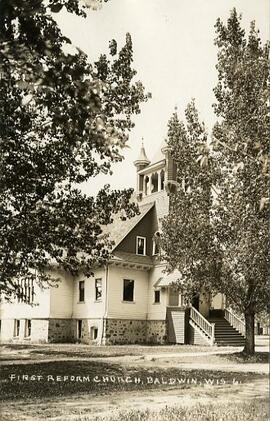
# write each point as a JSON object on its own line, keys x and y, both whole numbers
{"x": 174, "y": 55}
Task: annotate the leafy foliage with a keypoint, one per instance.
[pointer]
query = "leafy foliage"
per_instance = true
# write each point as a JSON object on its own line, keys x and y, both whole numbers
{"x": 63, "y": 121}
{"x": 188, "y": 238}
{"x": 222, "y": 241}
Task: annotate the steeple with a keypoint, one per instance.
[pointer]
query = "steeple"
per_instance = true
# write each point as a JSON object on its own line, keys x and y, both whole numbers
{"x": 142, "y": 160}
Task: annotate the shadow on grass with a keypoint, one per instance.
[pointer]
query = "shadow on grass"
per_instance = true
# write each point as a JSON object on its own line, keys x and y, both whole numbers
{"x": 241, "y": 357}
{"x": 63, "y": 378}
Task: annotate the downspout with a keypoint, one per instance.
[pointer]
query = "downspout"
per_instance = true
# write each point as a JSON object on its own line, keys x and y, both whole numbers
{"x": 103, "y": 337}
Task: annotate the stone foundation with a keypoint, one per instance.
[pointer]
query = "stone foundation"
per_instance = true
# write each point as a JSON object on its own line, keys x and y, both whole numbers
{"x": 156, "y": 332}
{"x": 60, "y": 330}
{"x": 91, "y": 332}
{"x": 119, "y": 331}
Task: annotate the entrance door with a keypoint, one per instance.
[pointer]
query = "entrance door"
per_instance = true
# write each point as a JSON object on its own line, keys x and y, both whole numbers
{"x": 195, "y": 301}
{"x": 173, "y": 298}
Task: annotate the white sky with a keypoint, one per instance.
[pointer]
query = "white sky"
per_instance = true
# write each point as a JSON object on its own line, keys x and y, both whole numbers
{"x": 174, "y": 55}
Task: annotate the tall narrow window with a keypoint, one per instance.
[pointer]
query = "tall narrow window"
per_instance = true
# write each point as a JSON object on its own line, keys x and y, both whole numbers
{"x": 141, "y": 245}
{"x": 16, "y": 328}
{"x": 27, "y": 331}
{"x": 157, "y": 296}
{"x": 81, "y": 291}
{"x": 98, "y": 289}
{"x": 128, "y": 290}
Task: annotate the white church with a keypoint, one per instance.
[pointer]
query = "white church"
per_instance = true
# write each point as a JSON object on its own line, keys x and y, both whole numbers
{"x": 130, "y": 300}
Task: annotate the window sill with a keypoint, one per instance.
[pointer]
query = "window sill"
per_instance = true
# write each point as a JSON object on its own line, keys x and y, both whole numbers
{"x": 80, "y": 302}
{"x": 98, "y": 301}
{"x": 128, "y": 302}
{"x": 154, "y": 304}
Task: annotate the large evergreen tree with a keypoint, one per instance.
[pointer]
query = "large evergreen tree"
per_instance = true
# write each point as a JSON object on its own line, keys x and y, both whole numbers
{"x": 63, "y": 121}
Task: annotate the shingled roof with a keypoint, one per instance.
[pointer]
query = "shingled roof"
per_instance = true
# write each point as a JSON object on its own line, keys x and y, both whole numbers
{"x": 122, "y": 256}
{"x": 119, "y": 229}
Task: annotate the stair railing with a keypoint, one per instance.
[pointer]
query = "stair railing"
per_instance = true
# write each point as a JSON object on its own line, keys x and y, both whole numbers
{"x": 203, "y": 324}
{"x": 235, "y": 321}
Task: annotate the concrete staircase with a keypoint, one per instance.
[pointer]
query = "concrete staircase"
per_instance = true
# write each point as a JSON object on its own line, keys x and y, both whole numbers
{"x": 225, "y": 334}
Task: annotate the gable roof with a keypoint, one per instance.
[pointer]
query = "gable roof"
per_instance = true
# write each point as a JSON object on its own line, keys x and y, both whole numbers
{"x": 122, "y": 256}
{"x": 119, "y": 229}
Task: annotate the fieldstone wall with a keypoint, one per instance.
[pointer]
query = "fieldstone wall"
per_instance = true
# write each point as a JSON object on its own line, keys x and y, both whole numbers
{"x": 120, "y": 331}
{"x": 60, "y": 330}
{"x": 156, "y": 332}
{"x": 87, "y": 333}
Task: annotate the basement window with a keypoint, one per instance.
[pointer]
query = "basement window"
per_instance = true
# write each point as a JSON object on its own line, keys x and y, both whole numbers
{"x": 16, "y": 332}
{"x": 27, "y": 328}
{"x": 79, "y": 329}
{"x": 94, "y": 333}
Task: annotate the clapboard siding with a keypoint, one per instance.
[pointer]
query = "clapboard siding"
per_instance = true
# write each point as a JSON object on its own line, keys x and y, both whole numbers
{"x": 15, "y": 310}
{"x": 90, "y": 308}
{"x": 196, "y": 337}
{"x": 156, "y": 311}
{"x": 119, "y": 309}
{"x": 62, "y": 296}
{"x": 176, "y": 325}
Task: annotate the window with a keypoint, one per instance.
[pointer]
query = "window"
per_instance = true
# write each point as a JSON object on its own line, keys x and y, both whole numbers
{"x": 128, "y": 290}
{"x": 141, "y": 246}
{"x": 156, "y": 242}
{"x": 98, "y": 289}
{"x": 27, "y": 330}
{"x": 94, "y": 333}
{"x": 79, "y": 329}
{"x": 26, "y": 291}
{"x": 157, "y": 296}
{"x": 16, "y": 328}
{"x": 81, "y": 291}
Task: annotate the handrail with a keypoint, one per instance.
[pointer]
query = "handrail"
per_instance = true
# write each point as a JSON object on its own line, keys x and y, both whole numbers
{"x": 203, "y": 324}
{"x": 235, "y": 321}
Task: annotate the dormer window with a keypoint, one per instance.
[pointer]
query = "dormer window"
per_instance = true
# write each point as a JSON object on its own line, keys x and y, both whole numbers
{"x": 141, "y": 246}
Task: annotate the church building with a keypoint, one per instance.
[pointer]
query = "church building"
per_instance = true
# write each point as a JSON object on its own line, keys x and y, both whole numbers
{"x": 130, "y": 299}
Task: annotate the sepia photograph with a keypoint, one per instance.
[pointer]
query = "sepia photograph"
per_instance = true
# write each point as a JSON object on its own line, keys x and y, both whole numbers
{"x": 134, "y": 210}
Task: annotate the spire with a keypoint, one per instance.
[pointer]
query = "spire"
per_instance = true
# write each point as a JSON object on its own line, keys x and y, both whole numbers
{"x": 142, "y": 161}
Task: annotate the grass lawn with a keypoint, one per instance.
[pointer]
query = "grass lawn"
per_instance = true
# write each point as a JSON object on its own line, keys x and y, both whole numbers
{"x": 64, "y": 378}
{"x": 252, "y": 411}
{"x": 25, "y": 351}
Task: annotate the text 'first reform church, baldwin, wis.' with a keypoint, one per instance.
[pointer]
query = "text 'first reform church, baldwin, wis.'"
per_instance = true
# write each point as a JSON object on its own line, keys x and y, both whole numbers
{"x": 130, "y": 299}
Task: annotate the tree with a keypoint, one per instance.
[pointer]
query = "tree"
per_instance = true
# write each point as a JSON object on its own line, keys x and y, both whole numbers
{"x": 241, "y": 141}
{"x": 63, "y": 121}
{"x": 217, "y": 232}
{"x": 188, "y": 239}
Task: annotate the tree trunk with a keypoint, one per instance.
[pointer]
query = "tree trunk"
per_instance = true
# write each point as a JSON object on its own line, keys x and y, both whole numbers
{"x": 250, "y": 333}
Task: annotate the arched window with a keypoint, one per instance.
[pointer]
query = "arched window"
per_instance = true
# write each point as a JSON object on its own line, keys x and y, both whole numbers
{"x": 162, "y": 179}
{"x": 146, "y": 185}
{"x": 154, "y": 180}
{"x": 156, "y": 243}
